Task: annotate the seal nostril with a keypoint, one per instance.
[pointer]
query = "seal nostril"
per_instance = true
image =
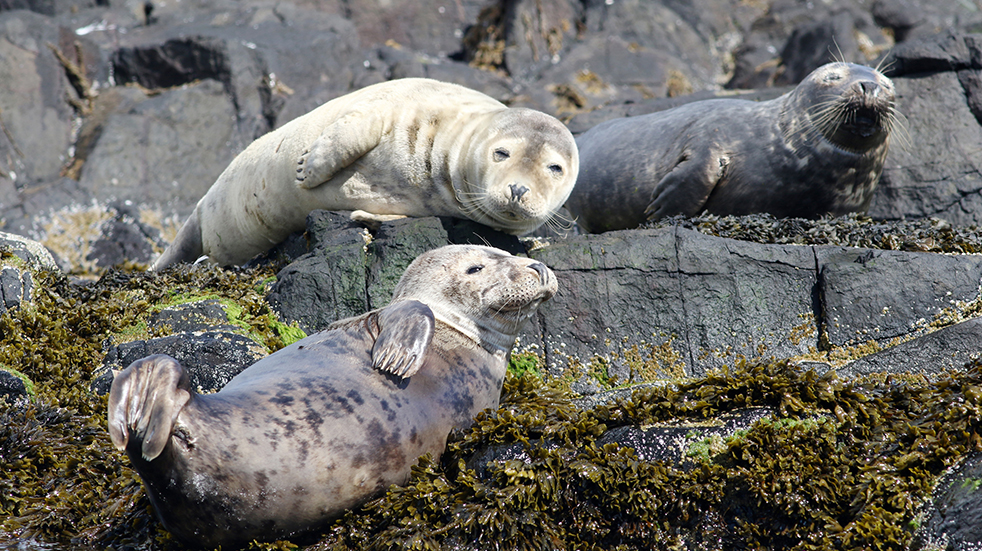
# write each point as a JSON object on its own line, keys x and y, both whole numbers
{"x": 540, "y": 268}
{"x": 868, "y": 87}
{"x": 517, "y": 191}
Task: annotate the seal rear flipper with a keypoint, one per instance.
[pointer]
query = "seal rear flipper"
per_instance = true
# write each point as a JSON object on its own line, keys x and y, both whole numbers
{"x": 341, "y": 143}
{"x": 186, "y": 247}
{"x": 144, "y": 402}
{"x": 405, "y": 332}
{"x": 685, "y": 189}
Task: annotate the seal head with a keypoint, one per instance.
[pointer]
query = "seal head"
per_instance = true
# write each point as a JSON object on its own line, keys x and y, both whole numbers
{"x": 520, "y": 171}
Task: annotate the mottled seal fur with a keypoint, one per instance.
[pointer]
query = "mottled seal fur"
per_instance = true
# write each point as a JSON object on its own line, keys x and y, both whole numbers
{"x": 817, "y": 150}
{"x": 334, "y": 419}
{"x": 410, "y": 147}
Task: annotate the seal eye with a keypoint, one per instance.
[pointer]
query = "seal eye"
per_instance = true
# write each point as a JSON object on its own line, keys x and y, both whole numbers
{"x": 832, "y": 77}
{"x": 474, "y": 269}
{"x": 501, "y": 155}
{"x": 556, "y": 169}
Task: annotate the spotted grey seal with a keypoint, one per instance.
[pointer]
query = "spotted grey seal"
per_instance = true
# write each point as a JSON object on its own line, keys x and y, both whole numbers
{"x": 819, "y": 149}
{"x": 334, "y": 419}
{"x": 409, "y": 147}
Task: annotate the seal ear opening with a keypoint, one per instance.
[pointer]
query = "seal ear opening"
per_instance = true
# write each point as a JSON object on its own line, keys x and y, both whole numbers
{"x": 144, "y": 402}
{"x": 405, "y": 333}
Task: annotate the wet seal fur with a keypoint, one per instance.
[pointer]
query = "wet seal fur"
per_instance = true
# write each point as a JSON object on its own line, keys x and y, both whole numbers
{"x": 409, "y": 147}
{"x": 819, "y": 149}
{"x": 323, "y": 425}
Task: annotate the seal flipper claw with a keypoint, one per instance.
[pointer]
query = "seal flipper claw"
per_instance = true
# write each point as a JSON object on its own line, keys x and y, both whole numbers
{"x": 405, "y": 333}
{"x": 144, "y": 402}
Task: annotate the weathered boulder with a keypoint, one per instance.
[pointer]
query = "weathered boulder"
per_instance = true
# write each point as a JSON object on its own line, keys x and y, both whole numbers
{"x": 211, "y": 358}
{"x": 349, "y": 270}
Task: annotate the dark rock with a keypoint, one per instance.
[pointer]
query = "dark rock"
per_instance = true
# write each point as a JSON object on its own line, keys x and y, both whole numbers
{"x": 201, "y": 315}
{"x": 535, "y": 32}
{"x": 931, "y": 169}
{"x": 815, "y": 43}
{"x": 394, "y": 247}
{"x": 900, "y": 16}
{"x": 15, "y": 288}
{"x": 349, "y": 271}
{"x": 944, "y": 350}
{"x": 210, "y": 358}
{"x": 36, "y": 119}
{"x": 431, "y": 26}
{"x": 954, "y": 515}
{"x": 882, "y": 295}
{"x": 325, "y": 285}
{"x": 11, "y": 386}
{"x": 941, "y": 53}
{"x": 124, "y": 237}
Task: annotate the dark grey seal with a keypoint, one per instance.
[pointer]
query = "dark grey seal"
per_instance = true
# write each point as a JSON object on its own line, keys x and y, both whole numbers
{"x": 325, "y": 424}
{"x": 816, "y": 150}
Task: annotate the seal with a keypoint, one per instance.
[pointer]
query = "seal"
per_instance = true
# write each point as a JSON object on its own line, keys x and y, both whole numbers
{"x": 817, "y": 150}
{"x": 409, "y": 147}
{"x": 334, "y": 419}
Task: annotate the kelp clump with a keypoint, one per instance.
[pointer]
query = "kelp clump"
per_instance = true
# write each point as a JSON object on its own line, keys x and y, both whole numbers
{"x": 851, "y": 230}
{"x": 841, "y": 466}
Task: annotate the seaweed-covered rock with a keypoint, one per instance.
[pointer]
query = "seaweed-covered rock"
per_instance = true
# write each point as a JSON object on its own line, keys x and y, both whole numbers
{"x": 199, "y": 315}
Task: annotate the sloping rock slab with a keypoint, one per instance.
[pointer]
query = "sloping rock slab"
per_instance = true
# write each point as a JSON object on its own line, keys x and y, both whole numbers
{"x": 946, "y": 349}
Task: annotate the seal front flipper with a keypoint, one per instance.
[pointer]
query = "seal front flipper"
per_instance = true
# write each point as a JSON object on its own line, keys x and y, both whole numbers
{"x": 340, "y": 143}
{"x": 687, "y": 187}
{"x": 405, "y": 330}
{"x": 144, "y": 402}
